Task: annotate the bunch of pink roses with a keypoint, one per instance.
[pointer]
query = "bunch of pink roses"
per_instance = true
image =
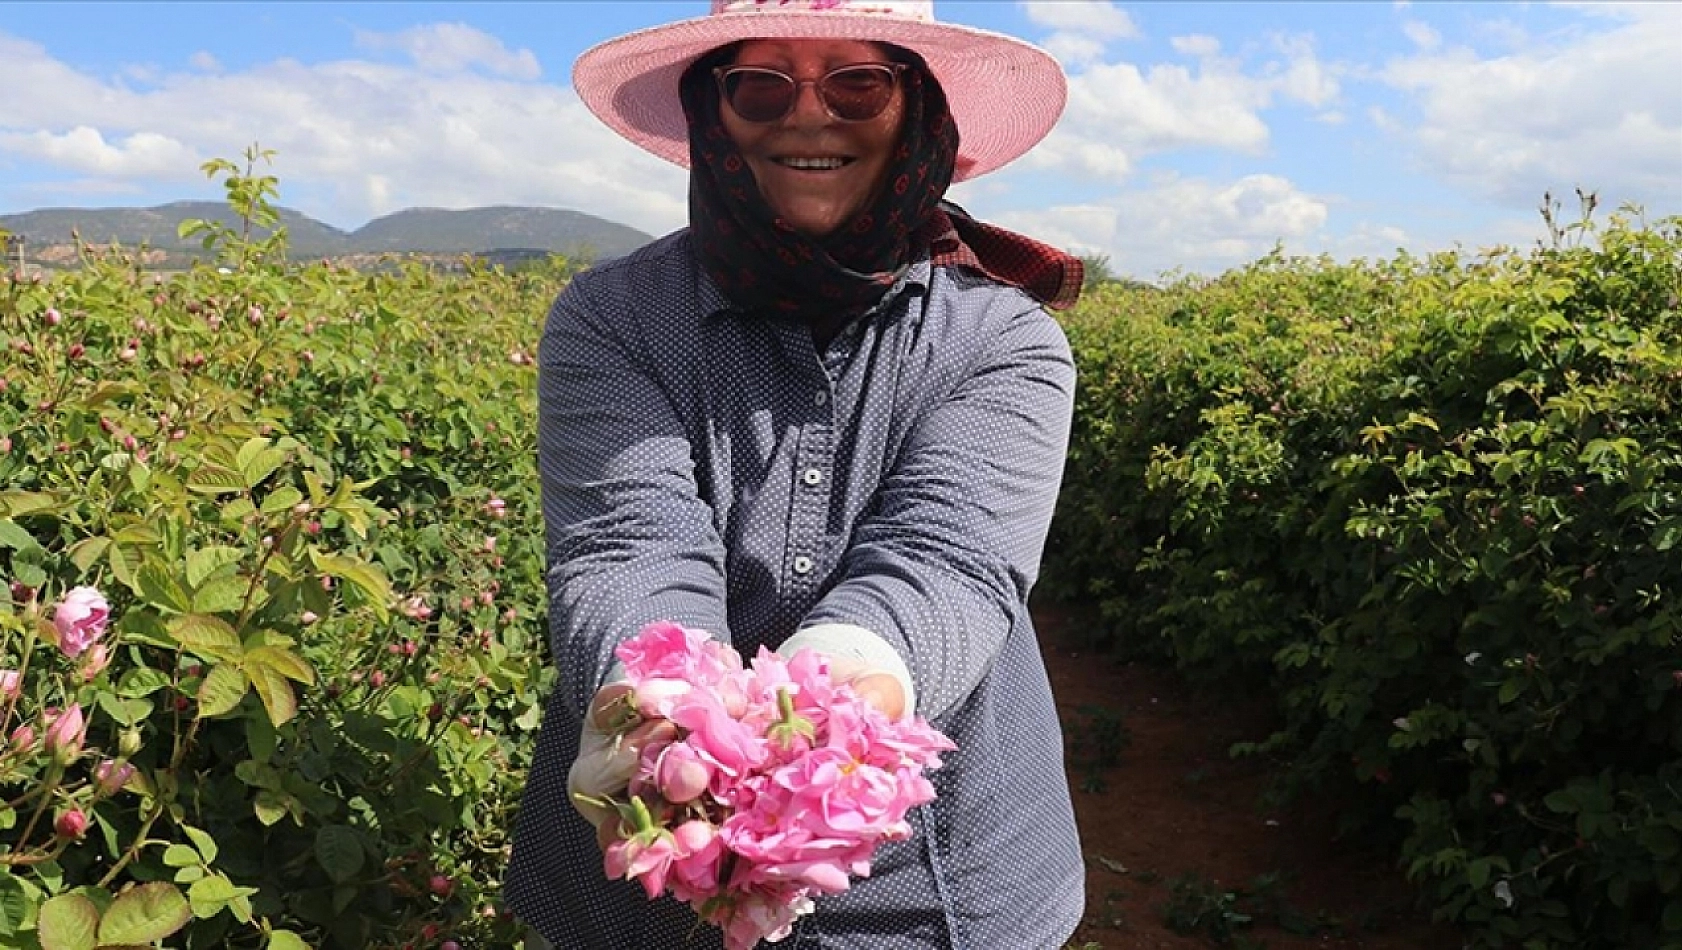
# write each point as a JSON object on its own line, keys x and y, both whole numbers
{"x": 776, "y": 789}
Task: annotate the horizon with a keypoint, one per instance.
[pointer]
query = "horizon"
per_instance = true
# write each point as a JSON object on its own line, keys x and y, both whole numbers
{"x": 1197, "y": 136}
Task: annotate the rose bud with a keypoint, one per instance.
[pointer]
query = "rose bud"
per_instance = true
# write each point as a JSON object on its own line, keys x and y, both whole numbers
{"x": 65, "y": 731}
{"x": 680, "y": 774}
{"x": 71, "y": 824}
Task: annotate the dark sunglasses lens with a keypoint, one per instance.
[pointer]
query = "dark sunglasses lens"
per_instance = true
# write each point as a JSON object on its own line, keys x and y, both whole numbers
{"x": 759, "y": 96}
{"x": 858, "y": 93}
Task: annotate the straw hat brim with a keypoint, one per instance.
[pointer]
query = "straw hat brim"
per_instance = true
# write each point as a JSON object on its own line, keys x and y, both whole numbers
{"x": 1005, "y": 94}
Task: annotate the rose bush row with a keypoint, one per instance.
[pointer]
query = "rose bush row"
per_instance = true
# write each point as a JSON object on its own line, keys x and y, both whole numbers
{"x": 271, "y": 634}
{"x": 1434, "y": 507}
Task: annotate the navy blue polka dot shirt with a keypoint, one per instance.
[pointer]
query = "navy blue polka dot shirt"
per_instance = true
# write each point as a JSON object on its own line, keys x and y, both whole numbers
{"x": 715, "y": 468}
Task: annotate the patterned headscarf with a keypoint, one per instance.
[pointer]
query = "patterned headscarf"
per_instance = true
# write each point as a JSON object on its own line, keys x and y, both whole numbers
{"x": 765, "y": 266}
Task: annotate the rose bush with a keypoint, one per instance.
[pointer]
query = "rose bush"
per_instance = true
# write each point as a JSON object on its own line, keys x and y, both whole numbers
{"x": 271, "y": 636}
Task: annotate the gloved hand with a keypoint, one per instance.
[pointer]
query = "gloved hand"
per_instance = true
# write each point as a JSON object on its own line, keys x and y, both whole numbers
{"x": 862, "y": 660}
{"x": 608, "y": 750}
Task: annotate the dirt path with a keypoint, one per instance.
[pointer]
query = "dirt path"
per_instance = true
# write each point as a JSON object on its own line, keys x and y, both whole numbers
{"x": 1180, "y": 853}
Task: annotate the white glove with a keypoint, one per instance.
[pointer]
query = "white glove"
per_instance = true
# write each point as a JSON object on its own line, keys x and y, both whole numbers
{"x": 608, "y": 750}
{"x": 853, "y": 652}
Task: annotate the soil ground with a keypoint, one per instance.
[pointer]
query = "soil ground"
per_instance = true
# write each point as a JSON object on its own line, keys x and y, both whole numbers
{"x": 1181, "y": 852}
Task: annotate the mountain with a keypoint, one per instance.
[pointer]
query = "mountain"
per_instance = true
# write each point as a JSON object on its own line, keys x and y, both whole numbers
{"x": 528, "y": 231}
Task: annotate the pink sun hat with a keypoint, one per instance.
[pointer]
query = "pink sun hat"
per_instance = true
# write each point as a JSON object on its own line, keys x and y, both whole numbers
{"x": 1005, "y": 94}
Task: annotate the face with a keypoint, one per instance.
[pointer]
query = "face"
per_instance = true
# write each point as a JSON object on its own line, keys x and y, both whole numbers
{"x": 815, "y": 171}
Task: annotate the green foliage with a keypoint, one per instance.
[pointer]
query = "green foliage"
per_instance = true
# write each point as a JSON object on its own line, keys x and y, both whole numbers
{"x": 251, "y": 198}
{"x": 310, "y": 497}
{"x": 1436, "y": 504}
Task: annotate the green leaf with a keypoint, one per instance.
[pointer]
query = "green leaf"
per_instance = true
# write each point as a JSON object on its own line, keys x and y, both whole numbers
{"x": 160, "y": 588}
{"x": 68, "y": 922}
{"x": 87, "y": 552}
{"x": 16, "y": 903}
{"x": 13, "y": 503}
{"x": 269, "y": 806}
{"x": 207, "y": 561}
{"x": 126, "y": 712}
{"x": 366, "y": 577}
{"x": 202, "y": 841}
{"x": 125, "y": 564}
{"x": 1667, "y": 534}
{"x": 261, "y": 466}
{"x": 211, "y": 893}
{"x": 144, "y": 915}
{"x": 285, "y": 662}
{"x": 212, "y": 479}
{"x": 281, "y": 499}
{"x": 223, "y": 687}
{"x": 285, "y": 940}
{"x": 206, "y": 635}
{"x": 235, "y": 511}
{"x": 339, "y": 852}
{"x": 276, "y": 693}
{"x": 222, "y": 594}
{"x": 181, "y": 856}
{"x": 141, "y": 681}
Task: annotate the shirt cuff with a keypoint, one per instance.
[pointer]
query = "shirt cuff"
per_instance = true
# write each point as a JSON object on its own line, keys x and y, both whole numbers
{"x": 854, "y": 643}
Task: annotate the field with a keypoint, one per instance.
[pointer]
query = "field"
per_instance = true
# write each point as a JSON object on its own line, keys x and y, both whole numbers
{"x": 1359, "y": 604}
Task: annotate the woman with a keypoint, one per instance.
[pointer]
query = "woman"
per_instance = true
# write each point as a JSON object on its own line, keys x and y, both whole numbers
{"x": 830, "y": 414}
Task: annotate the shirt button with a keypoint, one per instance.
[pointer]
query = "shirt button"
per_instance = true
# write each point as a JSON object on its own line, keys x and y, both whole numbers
{"x": 811, "y": 476}
{"x": 820, "y": 398}
{"x": 802, "y": 565}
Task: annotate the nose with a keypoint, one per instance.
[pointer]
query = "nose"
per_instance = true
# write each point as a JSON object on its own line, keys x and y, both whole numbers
{"x": 809, "y": 110}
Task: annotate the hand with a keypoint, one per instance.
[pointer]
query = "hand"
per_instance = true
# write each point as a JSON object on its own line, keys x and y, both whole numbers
{"x": 608, "y": 755}
{"x": 875, "y": 686}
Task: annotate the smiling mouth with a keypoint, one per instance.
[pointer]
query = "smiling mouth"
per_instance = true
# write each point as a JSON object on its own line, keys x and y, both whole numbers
{"x": 814, "y": 164}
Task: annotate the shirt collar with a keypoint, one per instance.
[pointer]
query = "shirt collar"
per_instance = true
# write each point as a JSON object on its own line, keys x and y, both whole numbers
{"x": 715, "y": 304}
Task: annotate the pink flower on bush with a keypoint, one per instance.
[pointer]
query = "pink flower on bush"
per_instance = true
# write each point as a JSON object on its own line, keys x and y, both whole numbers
{"x": 72, "y": 823}
{"x": 112, "y": 776}
{"x": 94, "y": 662}
{"x": 11, "y": 684}
{"x": 64, "y": 732}
{"x": 80, "y": 619}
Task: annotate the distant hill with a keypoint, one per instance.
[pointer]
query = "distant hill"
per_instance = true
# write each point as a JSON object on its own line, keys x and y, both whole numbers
{"x": 487, "y": 231}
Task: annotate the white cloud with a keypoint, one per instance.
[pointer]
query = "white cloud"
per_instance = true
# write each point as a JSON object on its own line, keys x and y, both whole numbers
{"x": 1081, "y": 29}
{"x": 1100, "y": 19}
{"x": 1120, "y": 112}
{"x": 203, "y": 60}
{"x": 454, "y": 47}
{"x": 1597, "y": 109}
{"x": 84, "y": 149}
{"x": 1192, "y": 224}
{"x": 1422, "y": 34}
{"x": 1195, "y": 44}
{"x": 353, "y": 140}
{"x": 1073, "y": 50}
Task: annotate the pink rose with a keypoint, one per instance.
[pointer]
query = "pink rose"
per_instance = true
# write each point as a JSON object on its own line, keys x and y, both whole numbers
{"x": 11, "y": 684}
{"x": 63, "y": 736}
{"x": 80, "y": 619}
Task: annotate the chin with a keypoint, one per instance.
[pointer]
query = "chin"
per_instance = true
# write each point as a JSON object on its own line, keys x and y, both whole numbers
{"x": 817, "y": 223}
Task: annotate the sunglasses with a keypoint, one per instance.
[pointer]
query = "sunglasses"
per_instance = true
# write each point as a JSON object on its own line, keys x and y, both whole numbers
{"x": 855, "y": 93}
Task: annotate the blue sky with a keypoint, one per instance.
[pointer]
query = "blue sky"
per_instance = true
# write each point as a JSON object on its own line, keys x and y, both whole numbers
{"x": 1198, "y": 135}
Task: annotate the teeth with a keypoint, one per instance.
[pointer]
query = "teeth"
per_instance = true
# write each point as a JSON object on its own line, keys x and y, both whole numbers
{"x": 813, "y": 164}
